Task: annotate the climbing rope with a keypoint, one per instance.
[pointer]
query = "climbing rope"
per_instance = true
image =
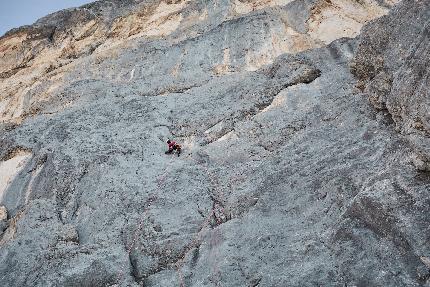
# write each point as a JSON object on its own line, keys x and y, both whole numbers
{"x": 212, "y": 214}
{"x": 142, "y": 219}
{"x": 217, "y": 213}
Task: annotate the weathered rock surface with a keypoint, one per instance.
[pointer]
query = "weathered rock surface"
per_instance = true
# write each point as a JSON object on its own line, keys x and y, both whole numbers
{"x": 288, "y": 177}
{"x": 3, "y": 213}
{"x": 169, "y": 39}
{"x": 392, "y": 64}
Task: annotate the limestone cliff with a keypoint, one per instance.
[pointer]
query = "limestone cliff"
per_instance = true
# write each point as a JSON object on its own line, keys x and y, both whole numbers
{"x": 113, "y": 40}
{"x": 305, "y": 145}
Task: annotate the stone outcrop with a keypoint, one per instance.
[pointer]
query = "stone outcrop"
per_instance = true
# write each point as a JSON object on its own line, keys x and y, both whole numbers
{"x": 392, "y": 64}
{"x": 289, "y": 176}
{"x": 38, "y": 62}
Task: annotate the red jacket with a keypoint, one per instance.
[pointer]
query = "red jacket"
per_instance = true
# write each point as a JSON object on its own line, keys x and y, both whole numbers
{"x": 172, "y": 144}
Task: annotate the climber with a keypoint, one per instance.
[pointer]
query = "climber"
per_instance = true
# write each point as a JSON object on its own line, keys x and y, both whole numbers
{"x": 173, "y": 146}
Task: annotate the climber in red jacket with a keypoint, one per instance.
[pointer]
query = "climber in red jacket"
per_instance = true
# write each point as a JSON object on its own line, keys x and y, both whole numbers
{"x": 173, "y": 146}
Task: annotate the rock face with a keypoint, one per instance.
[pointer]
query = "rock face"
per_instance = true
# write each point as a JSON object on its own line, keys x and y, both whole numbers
{"x": 135, "y": 42}
{"x": 392, "y": 64}
{"x": 289, "y": 176}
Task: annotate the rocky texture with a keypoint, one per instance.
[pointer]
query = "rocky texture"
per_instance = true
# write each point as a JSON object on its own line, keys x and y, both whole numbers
{"x": 288, "y": 176}
{"x": 392, "y": 64}
{"x": 3, "y": 218}
{"x": 38, "y": 62}
{"x": 3, "y": 213}
{"x": 10, "y": 166}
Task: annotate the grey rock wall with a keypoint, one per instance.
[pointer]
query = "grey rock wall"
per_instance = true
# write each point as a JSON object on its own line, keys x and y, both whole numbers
{"x": 392, "y": 65}
{"x": 289, "y": 176}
